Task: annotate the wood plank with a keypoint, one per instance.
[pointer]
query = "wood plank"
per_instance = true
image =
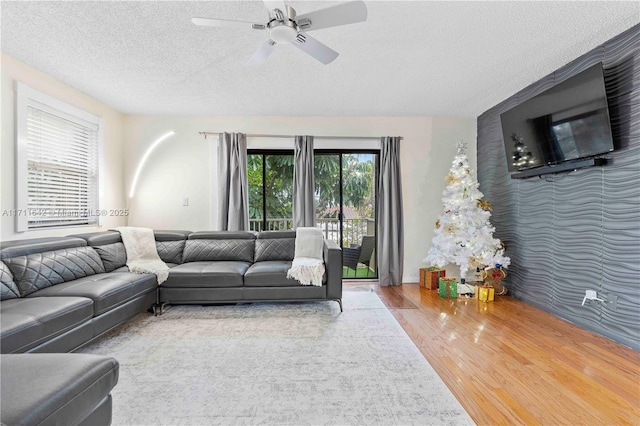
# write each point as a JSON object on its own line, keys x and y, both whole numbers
{"x": 510, "y": 363}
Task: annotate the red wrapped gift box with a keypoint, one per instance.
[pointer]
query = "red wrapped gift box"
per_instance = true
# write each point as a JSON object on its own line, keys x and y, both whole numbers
{"x": 429, "y": 277}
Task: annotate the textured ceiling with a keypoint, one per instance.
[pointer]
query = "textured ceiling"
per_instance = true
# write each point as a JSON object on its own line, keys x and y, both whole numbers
{"x": 409, "y": 59}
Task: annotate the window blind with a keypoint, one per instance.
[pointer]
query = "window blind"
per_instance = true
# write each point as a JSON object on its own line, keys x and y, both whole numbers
{"x": 62, "y": 170}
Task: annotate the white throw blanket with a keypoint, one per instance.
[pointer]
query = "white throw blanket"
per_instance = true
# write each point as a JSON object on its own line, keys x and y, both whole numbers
{"x": 308, "y": 266}
{"x": 142, "y": 255}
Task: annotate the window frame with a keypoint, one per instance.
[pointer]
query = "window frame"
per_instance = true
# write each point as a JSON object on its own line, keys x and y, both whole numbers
{"x": 264, "y": 153}
{"x": 28, "y": 97}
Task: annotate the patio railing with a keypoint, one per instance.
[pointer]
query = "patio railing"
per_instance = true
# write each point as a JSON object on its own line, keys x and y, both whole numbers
{"x": 353, "y": 230}
{"x": 272, "y": 225}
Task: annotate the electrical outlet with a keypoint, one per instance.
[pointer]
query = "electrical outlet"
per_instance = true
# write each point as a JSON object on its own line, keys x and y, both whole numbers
{"x": 185, "y": 201}
{"x": 612, "y": 302}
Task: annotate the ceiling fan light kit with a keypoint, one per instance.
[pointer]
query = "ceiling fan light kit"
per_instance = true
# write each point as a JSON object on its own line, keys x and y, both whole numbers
{"x": 284, "y": 28}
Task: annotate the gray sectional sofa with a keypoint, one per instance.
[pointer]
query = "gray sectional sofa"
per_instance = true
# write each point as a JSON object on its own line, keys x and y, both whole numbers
{"x": 59, "y": 293}
{"x": 246, "y": 267}
{"x": 210, "y": 267}
{"x": 56, "y": 295}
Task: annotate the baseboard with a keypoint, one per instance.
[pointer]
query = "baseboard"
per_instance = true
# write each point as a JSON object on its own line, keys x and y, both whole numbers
{"x": 410, "y": 279}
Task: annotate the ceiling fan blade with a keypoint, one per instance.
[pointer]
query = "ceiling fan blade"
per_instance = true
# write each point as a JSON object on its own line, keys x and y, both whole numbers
{"x": 342, "y": 14}
{"x": 313, "y": 47}
{"x": 262, "y": 53}
{"x": 226, "y": 23}
{"x": 276, "y": 4}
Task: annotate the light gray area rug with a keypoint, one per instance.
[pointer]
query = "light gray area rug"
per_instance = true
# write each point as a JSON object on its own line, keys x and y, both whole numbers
{"x": 271, "y": 364}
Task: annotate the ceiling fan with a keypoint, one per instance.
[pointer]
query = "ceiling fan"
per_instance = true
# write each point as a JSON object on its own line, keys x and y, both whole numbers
{"x": 285, "y": 26}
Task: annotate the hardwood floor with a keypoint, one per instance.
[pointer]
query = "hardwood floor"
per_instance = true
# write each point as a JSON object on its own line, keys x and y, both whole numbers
{"x": 510, "y": 363}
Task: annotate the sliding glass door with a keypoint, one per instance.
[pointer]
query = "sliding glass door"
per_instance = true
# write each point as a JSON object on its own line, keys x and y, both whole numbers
{"x": 345, "y": 206}
{"x": 345, "y": 200}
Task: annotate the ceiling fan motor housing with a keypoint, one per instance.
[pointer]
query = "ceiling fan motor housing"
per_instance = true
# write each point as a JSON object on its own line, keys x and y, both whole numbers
{"x": 283, "y": 29}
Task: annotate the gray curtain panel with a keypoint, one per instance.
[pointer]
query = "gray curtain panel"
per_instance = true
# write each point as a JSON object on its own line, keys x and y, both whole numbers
{"x": 233, "y": 198}
{"x": 390, "y": 222}
{"x": 303, "y": 183}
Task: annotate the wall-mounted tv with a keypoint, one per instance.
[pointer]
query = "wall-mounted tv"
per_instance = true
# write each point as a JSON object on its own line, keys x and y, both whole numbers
{"x": 565, "y": 123}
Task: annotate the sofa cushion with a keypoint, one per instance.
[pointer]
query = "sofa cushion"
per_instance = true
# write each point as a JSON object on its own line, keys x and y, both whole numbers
{"x": 8, "y": 288}
{"x": 41, "y": 270}
{"x": 170, "y": 251}
{"x": 275, "y": 245}
{"x": 106, "y": 290}
{"x": 219, "y": 250}
{"x": 207, "y": 274}
{"x": 222, "y": 235}
{"x": 270, "y": 273}
{"x": 28, "y": 322}
{"x": 113, "y": 256}
{"x": 37, "y": 245}
{"x": 171, "y": 235}
{"x": 170, "y": 245}
{"x": 74, "y": 386}
{"x": 100, "y": 238}
{"x": 108, "y": 244}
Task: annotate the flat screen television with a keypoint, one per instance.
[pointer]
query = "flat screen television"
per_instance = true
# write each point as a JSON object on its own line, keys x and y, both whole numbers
{"x": 565, "y": 123}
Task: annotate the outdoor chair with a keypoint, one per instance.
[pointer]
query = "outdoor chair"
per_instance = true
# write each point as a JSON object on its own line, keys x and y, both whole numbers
{"x": 352, "y": 256}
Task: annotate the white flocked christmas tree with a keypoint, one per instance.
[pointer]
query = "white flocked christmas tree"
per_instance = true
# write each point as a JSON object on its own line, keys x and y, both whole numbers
{"x": 463, "y": 234}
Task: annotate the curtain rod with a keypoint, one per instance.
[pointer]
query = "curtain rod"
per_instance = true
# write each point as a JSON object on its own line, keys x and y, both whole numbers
{"x": 258, "y": 135}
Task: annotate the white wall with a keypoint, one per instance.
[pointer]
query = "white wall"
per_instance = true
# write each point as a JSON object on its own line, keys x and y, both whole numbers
{"x": 184, "y": 165}
{"x": 112, "y": 184}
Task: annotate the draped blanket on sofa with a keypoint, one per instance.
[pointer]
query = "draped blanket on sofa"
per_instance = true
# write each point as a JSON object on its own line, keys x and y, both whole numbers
{"x": 308, "y": 266}
{"x": 142, "y": 255}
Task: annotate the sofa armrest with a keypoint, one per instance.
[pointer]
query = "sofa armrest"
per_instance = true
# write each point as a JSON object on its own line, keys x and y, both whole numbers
{"x": 333, "y": 265}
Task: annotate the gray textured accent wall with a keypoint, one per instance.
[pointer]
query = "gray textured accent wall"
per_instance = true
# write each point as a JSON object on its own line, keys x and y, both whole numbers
{"x": 570, "y": 232}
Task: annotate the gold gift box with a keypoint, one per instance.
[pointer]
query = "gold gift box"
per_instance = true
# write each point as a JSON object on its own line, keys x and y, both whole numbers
{"x": 485, "y": 293}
